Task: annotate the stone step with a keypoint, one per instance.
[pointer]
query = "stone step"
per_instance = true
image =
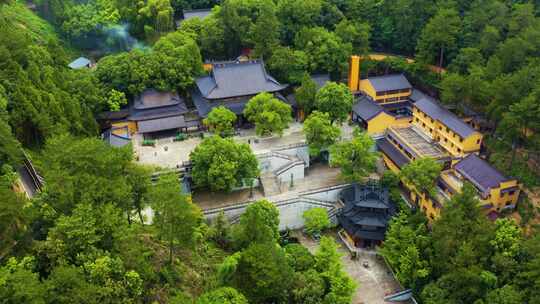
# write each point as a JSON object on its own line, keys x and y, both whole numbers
{"x": 270, "y": 186}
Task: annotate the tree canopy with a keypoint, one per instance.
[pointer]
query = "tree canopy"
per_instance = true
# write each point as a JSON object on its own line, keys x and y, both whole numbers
{"x": 320, "y": 132}
{"x": 336, "y": 100}
{"x": 269, "y": 114}
{"x": 355, "y": 158}
{"x": 221, "y": 164}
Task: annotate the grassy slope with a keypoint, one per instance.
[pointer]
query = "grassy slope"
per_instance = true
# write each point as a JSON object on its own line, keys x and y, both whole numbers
{"x": 20, "y": 16}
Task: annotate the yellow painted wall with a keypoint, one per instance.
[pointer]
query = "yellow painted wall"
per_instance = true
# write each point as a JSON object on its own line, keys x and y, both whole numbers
{"x": 367, "y": 88}
{"x": 448, "y": 139}
{"x": 390, "y": 164}
{"x": 499, "y": 199}
{"x": 379, "y": 123}
{"x": 354, "y": 73}
{"x": 132, "y": 126}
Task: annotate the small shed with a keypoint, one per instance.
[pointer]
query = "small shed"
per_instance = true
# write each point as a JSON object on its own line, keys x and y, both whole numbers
{"x": 80, "y": 63}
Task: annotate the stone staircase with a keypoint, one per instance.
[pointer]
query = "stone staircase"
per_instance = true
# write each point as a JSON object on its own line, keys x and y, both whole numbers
{"x": 269, "y": 184}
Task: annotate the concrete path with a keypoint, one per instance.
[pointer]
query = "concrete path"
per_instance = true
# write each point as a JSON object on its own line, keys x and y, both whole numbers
{"x": 374, "y": 282}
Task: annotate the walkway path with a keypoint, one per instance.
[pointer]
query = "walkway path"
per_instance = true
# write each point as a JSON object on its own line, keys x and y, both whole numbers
{"x": 375, "y": 281}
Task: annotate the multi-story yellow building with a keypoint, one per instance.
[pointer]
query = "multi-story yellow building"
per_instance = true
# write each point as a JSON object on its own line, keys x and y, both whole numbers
{"x": 452, "y": 133}
{"x": 386, "y": 89}
{"x": 437, "y": 133}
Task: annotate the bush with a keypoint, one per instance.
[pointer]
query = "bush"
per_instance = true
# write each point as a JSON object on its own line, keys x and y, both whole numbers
{"x": 316, "y": 220}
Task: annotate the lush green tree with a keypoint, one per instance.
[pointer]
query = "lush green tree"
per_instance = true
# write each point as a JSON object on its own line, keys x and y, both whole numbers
{"x": 297, "y": 14}
{"x": 507, "y": 237}
{"x": 263, "y": 274}
{"x": 139, "y": 179}
{"x": 403, "y": 249}
{"x": 316, "y": 220}
{"x": 299, "y": 257}
{"x": 225, "y": 295}
{"x": 305, "y": 94}
{"x": 221, "y": 121}
{"x": 264, "y": 34}
{"x": 14, "y": 220}
{"x": 466, "y": 58}
{"x": 85, "y": 171}
{"x": 156, "y": 16}
{"x": 336, "y": 100}
{"x": 221, "y": 164}
{"x": 269, "y": 114}
{"x": 504, "y": 295}
{"x": 439, "y": 36}
{"x": 325, "y": 50}
{"x": 116, "y": 100}
{"x": 308, "y": 287}
{"x": 176, "y": 218}
{"x": 288, "y": 65}
{"x": 259, "y": 224}
{"x": 19, "y": 284}
{"x": 356, "y": 34}
{"x": 328, "y": 262}
{"x": 422, "y": 174}
{"x": 320, "y": 132}
{"x": 68, "y": 284}
{"x": 138, "y": 70}
{"x": 356, "y": 158}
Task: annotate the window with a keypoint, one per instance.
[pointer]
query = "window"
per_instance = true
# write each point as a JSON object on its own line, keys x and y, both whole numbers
{"x": 432, "y": 121}
{"x": 459, "y": 150}
{"x": 461, "y": 139}
{"x": 447, "y": 130}
{"x": 511, "y": 192}
{"x": 508, "y": 203}
{"x": 478, "y": 141}
{"x": 423, "y": 125}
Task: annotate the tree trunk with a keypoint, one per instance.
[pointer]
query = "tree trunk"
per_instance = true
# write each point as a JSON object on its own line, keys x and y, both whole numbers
{"x": 441, "y": 56}
{"x": 140, "y": 215}
{"x": 129, "y": 218}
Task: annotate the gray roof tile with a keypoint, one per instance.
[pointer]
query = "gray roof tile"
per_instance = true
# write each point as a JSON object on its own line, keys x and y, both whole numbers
{"x": 389, "y": 82}
{"x": 392, "y": 152}
{"x": 161, "y": 124}
{"x": 480, "y": 173}
{"x": 436, "y": 111}
{"x": 235, "y": 79}
{"x": 366, "y": 109}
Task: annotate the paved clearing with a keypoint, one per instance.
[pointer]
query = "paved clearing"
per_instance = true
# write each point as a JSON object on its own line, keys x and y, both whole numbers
{"x": 169, "y": 154}
{"x": 375, "y": 281}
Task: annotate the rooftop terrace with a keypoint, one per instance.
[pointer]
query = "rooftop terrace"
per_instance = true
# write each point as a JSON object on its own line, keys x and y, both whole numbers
{"x": 415, "y": 143}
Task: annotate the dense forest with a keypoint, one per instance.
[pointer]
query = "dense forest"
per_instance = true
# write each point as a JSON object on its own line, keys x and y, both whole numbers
{"x": 83, "y": 239}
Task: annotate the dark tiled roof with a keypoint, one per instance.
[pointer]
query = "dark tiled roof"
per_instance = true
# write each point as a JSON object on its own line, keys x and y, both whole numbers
{"x": 480, "y": 173}
{"x": 236, "y": 79}
{"x": 392, "y": 152}
{"x": 366, "y": 109}
{"x": 236, "y": 105}
{"x": 390, "y": 82}
{"x": 396, "y": 105}
{"x": 320, "y": 79}
{"x": 114, "y": 115}
{"x": 200, "y": 13}
{"x": 151, "y": 99}
{"x": 80, "y": 63}
{"x": 161, "y": 124}
{"x": 449, "y": 119}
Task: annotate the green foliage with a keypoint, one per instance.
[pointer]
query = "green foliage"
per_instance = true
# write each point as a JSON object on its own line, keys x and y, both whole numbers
{"x": 336, "y": 100}
{"x": 439, "y": 36}
{"x": 325, "y": 50}
{"x": 224, "y": 295}
{"x": 305, "y": 94}
{"x": 316, "y": 220}
{"x": 221, "y": 164}
{"x": 308, "y": 287}
{"x": 328, "y": 262}
{"x": 84, "y": 171}
{"x": 269, "y": 114}
{"x": 288, "y": 65}
{"x": 422, "y": 174}
{"x": 263, "y": 274}
{"x": 320, "y": 132}
{"x": 138, "y": 70}
{"x": 356, "y": 158}
{"x": 221, "y": 121}
{"x": 299, "y": 257}
{"x": 19, "y": 284}
{"x": 176, "y": 218}
{"x": 259, "y": 224}
{"x": 356, "y": 34}
{"x": 116, "y": 100}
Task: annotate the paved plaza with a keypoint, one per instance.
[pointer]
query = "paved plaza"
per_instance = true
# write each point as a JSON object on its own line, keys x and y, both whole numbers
{"x": 169, "y": 154}
{"x": 374, "y": 282}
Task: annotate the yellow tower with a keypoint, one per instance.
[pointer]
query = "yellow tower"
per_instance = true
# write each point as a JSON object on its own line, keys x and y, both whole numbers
{"x": 354, "y": 73}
